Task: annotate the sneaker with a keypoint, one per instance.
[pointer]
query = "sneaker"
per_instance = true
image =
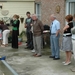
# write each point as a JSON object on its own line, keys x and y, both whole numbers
{"x": 33, "y": 50}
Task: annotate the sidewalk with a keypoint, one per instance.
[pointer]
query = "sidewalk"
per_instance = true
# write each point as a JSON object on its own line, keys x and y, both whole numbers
{"x": 24, "y": 63}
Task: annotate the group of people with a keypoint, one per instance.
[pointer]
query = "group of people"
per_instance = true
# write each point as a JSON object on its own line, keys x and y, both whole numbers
{"x": 66, "y": 41}
{"x": 34, "y": 34}
{"x": 4, "y": 32}
{"x": 34, "y": 31}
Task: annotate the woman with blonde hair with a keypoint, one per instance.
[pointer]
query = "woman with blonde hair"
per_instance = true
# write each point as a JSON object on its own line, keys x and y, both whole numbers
{"x": 15, "y": 32}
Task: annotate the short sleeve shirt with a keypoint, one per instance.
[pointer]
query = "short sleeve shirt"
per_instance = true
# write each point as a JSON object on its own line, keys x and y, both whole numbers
{"x": 28, "y": 21}
{"x": 69, "y": 29}
{"x": 55, "y": 26}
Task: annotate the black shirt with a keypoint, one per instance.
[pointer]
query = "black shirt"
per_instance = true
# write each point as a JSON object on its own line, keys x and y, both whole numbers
{"x": 3, "y": 27}
{"x": 68, "y": 30}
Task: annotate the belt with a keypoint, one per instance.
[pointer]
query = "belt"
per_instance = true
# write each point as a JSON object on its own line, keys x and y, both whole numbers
{"x": 53, "y": 33}
{"x": 68, "y": 34}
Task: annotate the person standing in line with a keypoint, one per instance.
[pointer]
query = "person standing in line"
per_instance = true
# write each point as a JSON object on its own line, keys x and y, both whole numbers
{"x": 73, "y": 41}
{"x": 5, "y": 31}
{"x": 15, "y": 25}
{"x": 54, "y": 38}
{"x": 28, "y": 22}
{"x": 18, "y": 24}
{"x": 33, "y": 51}
{"x": 37, "y": 35}
{"x": 67, "y": 40}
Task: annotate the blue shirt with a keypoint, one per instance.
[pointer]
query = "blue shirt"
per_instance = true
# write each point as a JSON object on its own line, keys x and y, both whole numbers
{"x": 55, "y": 26}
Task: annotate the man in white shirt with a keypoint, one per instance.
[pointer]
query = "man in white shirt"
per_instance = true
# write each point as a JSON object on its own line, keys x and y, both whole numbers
{"x": 54, "y": 38}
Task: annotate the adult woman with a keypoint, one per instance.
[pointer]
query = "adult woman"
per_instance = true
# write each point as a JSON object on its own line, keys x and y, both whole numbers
{"x": 67, "y": 42}
{"x": 6, "y": 32}
{"x": 15, "y": 25}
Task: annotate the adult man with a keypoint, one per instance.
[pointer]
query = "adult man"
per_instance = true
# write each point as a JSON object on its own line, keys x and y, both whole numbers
{"x": 37, "y": 35}
{"x": 28, "y": 22}
{"x": 55, "y": 29}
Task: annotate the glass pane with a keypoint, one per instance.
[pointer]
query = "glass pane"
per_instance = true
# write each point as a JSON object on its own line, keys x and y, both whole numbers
{"x": 38, "y": 10}
{"x": 72, "y": 10}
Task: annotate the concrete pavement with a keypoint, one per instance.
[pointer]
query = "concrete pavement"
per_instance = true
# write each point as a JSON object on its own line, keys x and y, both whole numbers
{"x": 24, "y": 63}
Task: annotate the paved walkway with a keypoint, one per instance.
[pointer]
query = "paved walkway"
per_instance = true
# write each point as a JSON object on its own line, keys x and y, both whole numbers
{"x": 24, "y": 63}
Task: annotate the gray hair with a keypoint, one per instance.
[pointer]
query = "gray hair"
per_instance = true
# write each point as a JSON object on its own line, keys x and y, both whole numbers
{"x": 34, "y": 15}
{"x": 53, "y": 15}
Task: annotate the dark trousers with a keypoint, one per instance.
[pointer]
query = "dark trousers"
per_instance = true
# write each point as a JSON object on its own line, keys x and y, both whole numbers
{"x": 14, "y": 39}
{"x": 28, "y": 38}
{"x": 31, "y": 41}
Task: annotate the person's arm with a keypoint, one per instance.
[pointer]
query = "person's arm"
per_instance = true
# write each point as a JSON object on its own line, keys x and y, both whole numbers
{"x": 15, "y": 24}
{"x": 66, "y": 27}
{"x": 41, "y": 26}
{"x": 58, "y": 28}
{"x": 26, "y": 23}
{"x": 18, "y": 23}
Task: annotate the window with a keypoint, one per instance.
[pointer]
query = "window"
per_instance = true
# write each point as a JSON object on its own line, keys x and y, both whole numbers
{"x": 38, "y": 10}
{"x": 70, "y": 7}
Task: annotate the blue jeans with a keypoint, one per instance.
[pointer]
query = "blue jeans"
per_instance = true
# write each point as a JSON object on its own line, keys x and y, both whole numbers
{"x": 55, "y": 46}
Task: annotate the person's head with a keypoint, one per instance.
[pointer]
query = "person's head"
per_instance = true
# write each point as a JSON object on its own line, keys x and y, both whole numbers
{"x": 28, "y": 14}
{"x": 15, "y": 17}
{"x": 1, "y": 22}
{"x": 52, "y": 17}
{"x": 74, "y": 17}
{"x": 69, "y": 18}
{"x": 34, "y": 17}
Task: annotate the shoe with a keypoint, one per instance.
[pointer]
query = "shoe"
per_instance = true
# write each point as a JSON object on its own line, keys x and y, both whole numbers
{"x": 73, "y": 69}
{"x": 31, "y": 48}
{"x": 34, "y": 54}
{"x": 26, "y": 42}
{"x": 3, "y": 46}
{"x": 38, "y": 55}
{"x": 67, "y": 63}
{"x": 33, "y": 51}
{"x": 64, "y": 62}
{"x": 51, "y": 56}
{"x": 27, "y": 47}
{"x": 56, "y": 58}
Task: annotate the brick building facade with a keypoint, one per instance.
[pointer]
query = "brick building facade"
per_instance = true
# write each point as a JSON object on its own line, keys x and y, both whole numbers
{"x": 48, "y": 7}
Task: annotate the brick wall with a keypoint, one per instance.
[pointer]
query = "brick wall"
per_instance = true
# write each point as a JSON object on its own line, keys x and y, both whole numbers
{"x": 48, "y": 8}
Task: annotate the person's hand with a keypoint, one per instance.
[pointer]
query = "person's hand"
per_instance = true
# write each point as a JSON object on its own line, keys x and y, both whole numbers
{"x": 25, "y": 26}
{"x": 56, "y": 34}
{"x": 31, "y": 24}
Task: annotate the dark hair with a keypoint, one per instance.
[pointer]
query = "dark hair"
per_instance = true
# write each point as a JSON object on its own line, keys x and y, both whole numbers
{"x": 69, "y": 18}
{"x": 27, "y": 12}
{"x": 1, "y": 22}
